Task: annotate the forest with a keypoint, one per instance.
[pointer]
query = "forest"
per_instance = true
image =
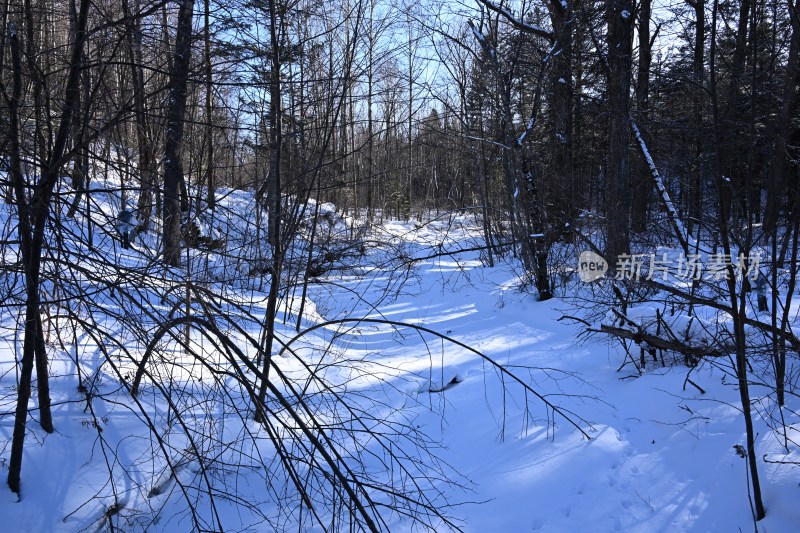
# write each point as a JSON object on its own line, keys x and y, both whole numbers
{"x": 263, "y": 261}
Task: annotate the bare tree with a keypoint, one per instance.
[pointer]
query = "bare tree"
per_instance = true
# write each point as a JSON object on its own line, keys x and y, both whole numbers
{"x": 620, "y": 18}
{"x": 33, "y": 216}
{"x": 174, "y": 178}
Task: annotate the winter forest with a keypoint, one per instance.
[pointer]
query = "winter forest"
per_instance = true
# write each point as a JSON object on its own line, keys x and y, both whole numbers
{"x": 376, "y": 265}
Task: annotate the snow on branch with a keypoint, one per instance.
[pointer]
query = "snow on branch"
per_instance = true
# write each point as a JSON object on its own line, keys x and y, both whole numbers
{"x": 481, "y": 38}
{"x": 477, "y": 33}
{"x": 531, "y": 124}
{"x": 672, "y": 345}
{"x": 672, "y": 213}
{"x": 518, "y": 23}
{"x": 537, "y": 96}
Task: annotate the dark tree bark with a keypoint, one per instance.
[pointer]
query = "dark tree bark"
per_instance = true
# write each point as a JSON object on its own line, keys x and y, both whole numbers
{"x": 562, "y": 17}
{"x": 5, "y": 30}
{"x": 620, "y": 18}
{"x": 80, "y": 170}
{"x": 144, "y": 138}
{"x": 641, "y": 184}
{"x": 783, "y": 190}
{"x": 33, "y": 217}
{"x": 370, "y": 128}
{"x": 736, "y": 151}
{"x": 782, "y": 180}
{"x": 273, "y": 201}
{"x": 209, "y": 132}
{"x": 173, "y": 153}
{"x": 738, "y": 301}
{"x": 698, "y": 94}
{"x": 410, "y": 153}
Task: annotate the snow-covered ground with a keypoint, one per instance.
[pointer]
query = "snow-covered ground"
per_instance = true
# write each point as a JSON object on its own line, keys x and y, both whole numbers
{"x": 659, "y": 455}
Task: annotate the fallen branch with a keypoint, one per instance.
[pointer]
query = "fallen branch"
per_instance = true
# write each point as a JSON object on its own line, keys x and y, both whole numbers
{"x": 640, "y": 337}
{"x": 669, "y": 207}
{"x": 693, "y": 299}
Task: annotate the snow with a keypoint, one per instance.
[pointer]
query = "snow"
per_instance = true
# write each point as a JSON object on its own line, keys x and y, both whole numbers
{"x": 518, "y": 22}
{"x": 478, "y": 35}
{"x": 660, "y": 456}
{"x": 680, "y": 231}
{"x": 529, "y": 127}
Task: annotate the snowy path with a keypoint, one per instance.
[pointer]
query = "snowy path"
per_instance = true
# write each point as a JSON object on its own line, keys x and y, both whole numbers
{"x": 660, "y": 458}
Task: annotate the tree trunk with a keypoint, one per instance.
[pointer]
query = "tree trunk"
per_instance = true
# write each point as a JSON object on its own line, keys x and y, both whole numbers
{"x": 410, "y": 154}
{"x": 370, "y": 129}
{"x": 173, "y": 153}
{"x": 562, "y": 17}
{"x": 640, "y": 186}
{"x": 274, "y": 203}
{"x": 209, "y": 141}
{"x": 782, "y": 180}
{"x": 735, "y": 151}
{"x": 80, "y": 170}
{"x": 147, "y": 172}
{"x": 619, "y": 15}
{"x": 698, "y": 69}
{"x": 33, "y": 219}
{"x": 738, "y": 305}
